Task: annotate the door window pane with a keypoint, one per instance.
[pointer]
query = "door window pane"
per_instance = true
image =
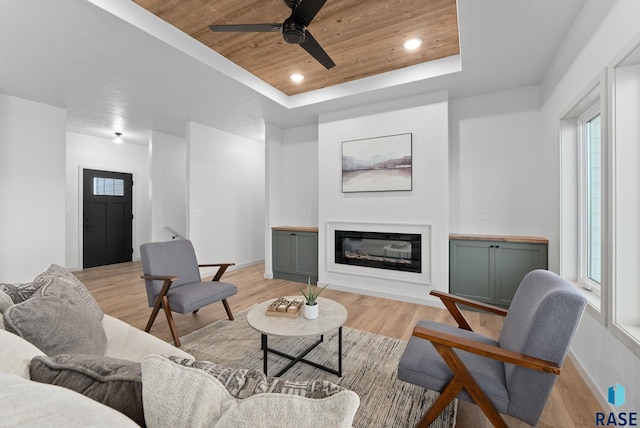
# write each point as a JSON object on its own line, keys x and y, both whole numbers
{"x": 108, "y": 186}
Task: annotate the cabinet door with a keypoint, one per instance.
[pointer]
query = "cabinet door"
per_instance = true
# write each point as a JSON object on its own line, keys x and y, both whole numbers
{"x": 513, "y": 262}
{"x": 470, "y": 270}
{"x": 307, "y": 254}
{"x": 283, "y": 251}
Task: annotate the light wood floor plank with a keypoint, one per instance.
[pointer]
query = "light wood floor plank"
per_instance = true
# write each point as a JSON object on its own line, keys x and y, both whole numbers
{"x": 120, "y": 292}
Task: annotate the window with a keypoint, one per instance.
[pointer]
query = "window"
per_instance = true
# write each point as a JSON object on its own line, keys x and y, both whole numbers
{"x": 625, "y": 88}
{"x": 108, "y": 186}
{"x": 590, "y": 208}
{"x": 584, "y": 192}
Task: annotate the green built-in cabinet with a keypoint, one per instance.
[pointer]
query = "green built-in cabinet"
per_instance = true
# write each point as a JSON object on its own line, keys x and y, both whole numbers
{"x": 489, "y": 268}
{"x": 295, "y": 253}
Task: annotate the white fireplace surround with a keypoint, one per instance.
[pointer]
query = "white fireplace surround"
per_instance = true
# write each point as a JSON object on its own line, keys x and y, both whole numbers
{"x": 424, "y": 230}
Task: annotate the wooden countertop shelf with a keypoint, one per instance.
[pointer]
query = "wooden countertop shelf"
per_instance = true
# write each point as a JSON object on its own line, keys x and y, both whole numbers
{"x": 296, "y": 228}
{"x": 500, "y": 238}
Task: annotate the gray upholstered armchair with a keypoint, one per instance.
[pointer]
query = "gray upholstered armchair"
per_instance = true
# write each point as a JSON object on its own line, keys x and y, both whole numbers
{"x": 173, "y": 282}
{"x": 513, "y": 375}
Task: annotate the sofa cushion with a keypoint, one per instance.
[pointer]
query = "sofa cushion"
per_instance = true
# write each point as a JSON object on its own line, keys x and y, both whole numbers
{"x": 178, "y": 395}
{"x": 58, "y": 321}
{"x": 110, "y": 381}
{"x": 24, "y": 403}
{"x": 16, "y": 354}
{"x": 60, "y": 275}
{"x": 129, "y": 343}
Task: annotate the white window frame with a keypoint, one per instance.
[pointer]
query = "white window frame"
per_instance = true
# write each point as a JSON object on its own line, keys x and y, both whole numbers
{"x": 584, "y": 201}
{"x": 571, "y": 225}
{"x": 624, "y": 294}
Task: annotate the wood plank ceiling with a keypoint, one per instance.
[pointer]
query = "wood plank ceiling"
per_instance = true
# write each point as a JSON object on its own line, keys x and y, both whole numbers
{"x": 363, "y": 37}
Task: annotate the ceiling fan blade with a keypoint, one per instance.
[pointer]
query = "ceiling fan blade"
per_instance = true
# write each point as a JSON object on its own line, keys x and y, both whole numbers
{"x": 247, "y": 28}
{"x": 307, "y": 10}
{"x": 312, "y": 46}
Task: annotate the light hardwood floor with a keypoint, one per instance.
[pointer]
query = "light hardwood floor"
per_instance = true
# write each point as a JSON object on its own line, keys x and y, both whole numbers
{"x": 120, "y": 292}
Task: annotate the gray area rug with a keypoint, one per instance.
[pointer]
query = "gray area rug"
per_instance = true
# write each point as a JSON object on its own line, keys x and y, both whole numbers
{"x": 369, "y": 365}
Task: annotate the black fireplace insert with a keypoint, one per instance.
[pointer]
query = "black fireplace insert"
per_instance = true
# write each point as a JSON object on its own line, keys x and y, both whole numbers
{"x": 394, "y": 251}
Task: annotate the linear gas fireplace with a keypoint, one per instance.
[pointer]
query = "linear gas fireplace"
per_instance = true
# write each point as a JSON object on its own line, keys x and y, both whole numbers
{"x": 394, "y": 251}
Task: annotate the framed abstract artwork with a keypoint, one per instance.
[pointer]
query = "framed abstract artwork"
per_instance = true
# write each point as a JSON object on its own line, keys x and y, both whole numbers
{"x": 380, "y": 164}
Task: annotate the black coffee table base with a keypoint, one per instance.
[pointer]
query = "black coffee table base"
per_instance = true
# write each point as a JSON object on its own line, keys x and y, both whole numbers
{"x": 300, "y": 358}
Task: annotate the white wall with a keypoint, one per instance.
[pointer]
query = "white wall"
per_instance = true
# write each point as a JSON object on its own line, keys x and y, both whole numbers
{"x": 426, "y": 117}
{"x": 495, "y": 164}
{"x": 32, "y": 188}
{"x": 168, "y": 185}
{"x": 293, "y": 176}
{"x": 84, "y": 151}
{"x": 226, "y": 196}
{"x": 603, "y": 358}
{"x": 291, "y": 182}
{"x": 274, "y": 181}
{"x": 300, "y": 160}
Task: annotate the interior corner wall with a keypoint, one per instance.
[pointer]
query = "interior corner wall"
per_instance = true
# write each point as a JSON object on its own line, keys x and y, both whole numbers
{"x": 168, "y": 185}
{"x": 495, "y": 164}
{"x": 291, "y": 181}
{"x": 426, "y": 118}
{"x": 300, "y": 160}
{"x": 32, "y": 188}
{"x": 274, "y": 182}
{"x": 226, "y": 196}
{"x": 597, "y": 352}
{"x": 85, "y": 151}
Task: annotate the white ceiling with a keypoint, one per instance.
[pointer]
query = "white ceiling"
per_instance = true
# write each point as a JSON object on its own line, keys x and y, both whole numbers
{"x": 114, "y": 66}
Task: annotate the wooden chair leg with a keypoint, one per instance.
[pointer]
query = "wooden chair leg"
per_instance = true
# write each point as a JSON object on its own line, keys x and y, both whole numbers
{"x": 154, "y": 314}
{"x": 467, "y": 381}
{"x": 172, "y": 324}
{"x": 446, "y": 396}
{"x": 227, "y": 308}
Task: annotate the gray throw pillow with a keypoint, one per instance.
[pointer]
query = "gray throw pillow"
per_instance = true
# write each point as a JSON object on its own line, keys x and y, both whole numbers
{"x": 57, "y": 320}
{"x": 60, "y": 275}
{"x": 110, "y": 381}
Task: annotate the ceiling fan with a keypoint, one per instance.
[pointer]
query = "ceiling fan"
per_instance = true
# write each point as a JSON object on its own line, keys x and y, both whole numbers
{"x": 293, "y": 29}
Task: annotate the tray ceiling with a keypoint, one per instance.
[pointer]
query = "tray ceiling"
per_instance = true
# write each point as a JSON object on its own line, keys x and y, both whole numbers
{"x": 364, "y": 38}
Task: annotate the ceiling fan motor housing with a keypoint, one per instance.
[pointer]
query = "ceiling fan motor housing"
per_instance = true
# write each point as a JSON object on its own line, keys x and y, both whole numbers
{"x": 293, "y": 32}
{"x": 292, "y": 4}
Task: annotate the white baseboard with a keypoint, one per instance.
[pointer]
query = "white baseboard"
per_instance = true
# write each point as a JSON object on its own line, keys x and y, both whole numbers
{"x": 426, "y": 300}
{"x": 205, "y": 272}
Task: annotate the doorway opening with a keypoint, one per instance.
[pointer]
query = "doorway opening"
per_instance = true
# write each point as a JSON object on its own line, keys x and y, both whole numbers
{"x": 107, "y": 218}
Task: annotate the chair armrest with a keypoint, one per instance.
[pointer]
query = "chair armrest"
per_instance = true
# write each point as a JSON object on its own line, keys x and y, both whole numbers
{"x": 168, "y": 280}
{"x": 159, "y": 277}
{"x": 221, "y": 270}
{"x": 485, "y": 350}
{"x": 451, "y": 302}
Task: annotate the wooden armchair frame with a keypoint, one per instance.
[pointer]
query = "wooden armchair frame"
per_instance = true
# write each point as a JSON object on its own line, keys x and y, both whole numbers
{"x": 162, "y": 301}
{"x": 462, "y": 378}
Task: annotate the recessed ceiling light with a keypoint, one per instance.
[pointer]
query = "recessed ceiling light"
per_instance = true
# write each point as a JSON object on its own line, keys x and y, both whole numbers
{"x": 413, "y": 43}
{"x": 297, "y": 77}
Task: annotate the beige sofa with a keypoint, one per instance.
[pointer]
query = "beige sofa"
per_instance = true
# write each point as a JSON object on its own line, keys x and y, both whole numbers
{"x": 126, "y": 377}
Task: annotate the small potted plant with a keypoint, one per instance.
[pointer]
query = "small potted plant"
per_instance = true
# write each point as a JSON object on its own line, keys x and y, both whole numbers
{"x": 311, "y": 298}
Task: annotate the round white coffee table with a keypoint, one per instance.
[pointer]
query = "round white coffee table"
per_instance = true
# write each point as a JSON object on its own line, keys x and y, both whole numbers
{"x": 331, "y": 316}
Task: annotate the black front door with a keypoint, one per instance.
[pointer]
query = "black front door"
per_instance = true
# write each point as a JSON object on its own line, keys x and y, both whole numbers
{"x": 107, "y": 218}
